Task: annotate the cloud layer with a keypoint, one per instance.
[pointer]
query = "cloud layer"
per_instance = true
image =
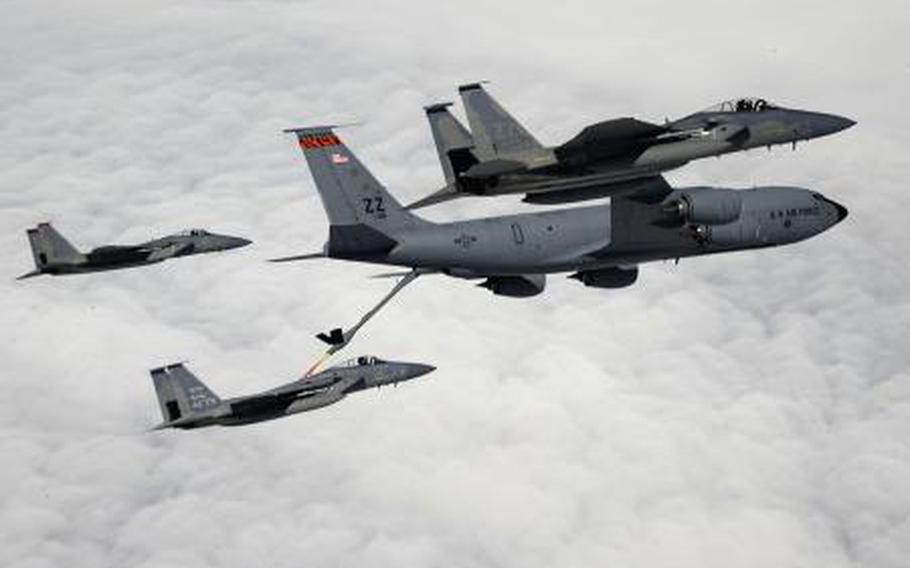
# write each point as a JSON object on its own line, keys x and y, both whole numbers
{"x": 750, "y": 408}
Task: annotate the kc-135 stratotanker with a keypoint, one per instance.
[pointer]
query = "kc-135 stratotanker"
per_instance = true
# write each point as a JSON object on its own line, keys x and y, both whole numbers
{"x": 499, "y": 156}
{"x": 601, "y": 245}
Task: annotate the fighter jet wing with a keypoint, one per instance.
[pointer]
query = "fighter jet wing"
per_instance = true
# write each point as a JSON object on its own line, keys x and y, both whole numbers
{"x": 341, "y": 387}
{"x": 729, "y": 132}
{"x": 616, "y": 129}
{"x": 447, "y": 193}
{"x": 584, "y": 189}
{"x": 301, "y": 387}
{"x": 168, "y": 251}
{"x": 647, "y": 190}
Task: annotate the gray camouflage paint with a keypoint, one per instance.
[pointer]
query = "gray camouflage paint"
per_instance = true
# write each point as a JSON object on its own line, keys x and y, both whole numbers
{"x": 54, "y": 255}
{"x": 499, "y": 156}
{"x": 368, "y": 224}
{"x": 186, "y": 402}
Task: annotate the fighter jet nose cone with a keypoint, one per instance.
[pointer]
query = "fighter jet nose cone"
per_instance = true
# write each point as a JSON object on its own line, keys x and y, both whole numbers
{"x": 825, "y": 124}
{"x": 842, "y": 123}
{"x": 420, "y": 370}
{"x": 240, "y": 242}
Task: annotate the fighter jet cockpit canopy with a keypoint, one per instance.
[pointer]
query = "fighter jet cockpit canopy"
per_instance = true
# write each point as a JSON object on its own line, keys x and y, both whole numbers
{"x": 744, "y": 104}
{"x": 193, "y": 233}
{"x": 362, "y": 361}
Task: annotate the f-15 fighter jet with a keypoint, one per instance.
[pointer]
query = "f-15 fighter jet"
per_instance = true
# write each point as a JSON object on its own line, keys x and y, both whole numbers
{"x": 187, "y": 403}
{"x": 499, "y": 156}
{"x": 55, "y": 255}
{"x": 601, "y": 244}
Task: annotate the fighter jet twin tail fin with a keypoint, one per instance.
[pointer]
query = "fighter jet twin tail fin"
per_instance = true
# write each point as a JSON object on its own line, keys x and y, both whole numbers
{"x": 497, "y": 143}
{"x": 49, "y": 247}
{"x": 181, "y": 395}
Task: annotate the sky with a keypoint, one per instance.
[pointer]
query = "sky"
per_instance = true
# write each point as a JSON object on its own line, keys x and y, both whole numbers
{"x": 749, "y": 409}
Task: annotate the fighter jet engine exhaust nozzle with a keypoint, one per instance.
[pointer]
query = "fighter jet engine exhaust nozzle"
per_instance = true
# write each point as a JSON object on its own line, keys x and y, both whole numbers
{"x": 516, "y": 286}
{"x": 706, "y": 206}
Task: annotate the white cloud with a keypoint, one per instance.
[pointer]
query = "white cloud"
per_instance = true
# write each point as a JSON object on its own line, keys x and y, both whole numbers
{"x": 748, "y": 408}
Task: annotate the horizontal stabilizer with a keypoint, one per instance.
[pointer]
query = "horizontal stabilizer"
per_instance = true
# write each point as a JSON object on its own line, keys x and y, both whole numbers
{"x": 319, "y": 129}
{"x": 400, "y": 274}
{"x": 308, "y": 256}
{"x": 31, "y": 274}
{"x": 448, "y": 193}
{"x": 494, "y": 168}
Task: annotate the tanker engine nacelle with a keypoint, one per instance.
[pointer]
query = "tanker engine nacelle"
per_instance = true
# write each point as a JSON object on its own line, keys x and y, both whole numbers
{"x": 706, "y": 206}
{"x": 730, "y": 234}
{"x": 613, "y": 277}
{"x": 516, "y": 286}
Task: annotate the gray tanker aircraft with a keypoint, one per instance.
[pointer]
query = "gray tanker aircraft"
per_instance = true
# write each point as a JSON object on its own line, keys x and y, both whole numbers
{"x": 499, "y": 156}
{"x": 187, "y": 403}
{"x": 602, "y": 245}
{"x": 55, "y": 255}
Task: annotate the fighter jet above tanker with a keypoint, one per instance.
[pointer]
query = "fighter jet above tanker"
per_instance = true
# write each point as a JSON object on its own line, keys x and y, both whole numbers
{"x": 55, "y": 255}
{"x": 187, "y": 403}
{"x": 602, "y": 245}
{"x": 499, "y": 156}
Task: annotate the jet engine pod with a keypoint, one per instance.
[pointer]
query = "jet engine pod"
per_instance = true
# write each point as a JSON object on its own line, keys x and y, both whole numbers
{"x": 516, "y": 286}
{"x": 719, "y": 235}
{"x": 706, "y": 206}
{"x": 613, "y": 277}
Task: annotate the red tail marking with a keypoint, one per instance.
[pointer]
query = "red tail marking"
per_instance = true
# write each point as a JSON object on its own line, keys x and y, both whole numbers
{"x": 319, "y": 141}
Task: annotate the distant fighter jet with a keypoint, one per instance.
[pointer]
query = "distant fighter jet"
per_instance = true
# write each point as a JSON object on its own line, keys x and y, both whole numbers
{"x": 499, "y": 156}
{"x": 187, "y": 403}
{"x": 601, "y": 244}
{"x": 55, "y": 255}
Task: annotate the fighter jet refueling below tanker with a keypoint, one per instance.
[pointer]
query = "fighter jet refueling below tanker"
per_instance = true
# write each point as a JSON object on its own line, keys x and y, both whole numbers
{"x": 187, "y": 403}
{"x": 499, "y": 156}
{"x": 55, "y": 255}
{"x": 602, "y": 244}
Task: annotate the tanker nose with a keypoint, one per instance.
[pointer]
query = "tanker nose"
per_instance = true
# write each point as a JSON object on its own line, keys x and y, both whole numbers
{"x": 839, "y": 211}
